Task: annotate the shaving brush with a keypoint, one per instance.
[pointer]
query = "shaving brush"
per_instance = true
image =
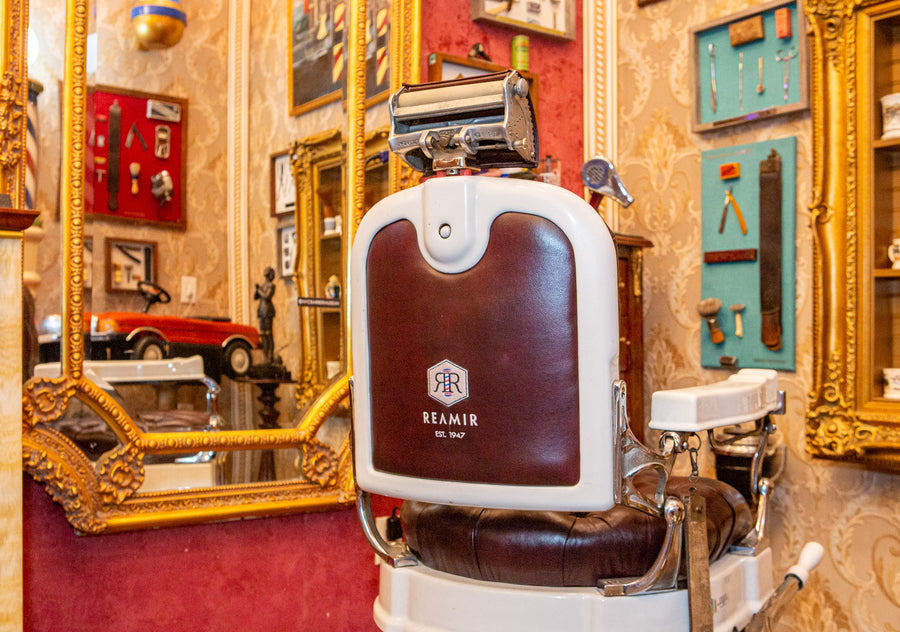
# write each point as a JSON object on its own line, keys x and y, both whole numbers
{"x": 135, "y": 169}
{"x": 709, "y": 310}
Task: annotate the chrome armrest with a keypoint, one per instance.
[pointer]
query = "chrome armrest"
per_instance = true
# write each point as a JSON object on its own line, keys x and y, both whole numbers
{"x": 633, "y": 457}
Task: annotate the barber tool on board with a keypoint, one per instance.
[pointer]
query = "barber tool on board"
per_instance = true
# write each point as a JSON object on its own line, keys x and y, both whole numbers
{"x": 162, "y": 147}
{"x": 770, "y": 291}
{"x": 760, "y": 88}
{"x": 135, "y": 170}
{"x": 134, "y": 132}
{"x": 785, "y": 59}
{"x": 115, "y": 132}
{"x": 730, "y": 201}
{"x": 737, "y": 308}
{"x": 162, "y": 186}
{"x": 709, "y": 310}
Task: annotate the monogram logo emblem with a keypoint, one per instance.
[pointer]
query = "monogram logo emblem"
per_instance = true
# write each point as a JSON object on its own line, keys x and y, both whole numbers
{"x": 448, "y": 383}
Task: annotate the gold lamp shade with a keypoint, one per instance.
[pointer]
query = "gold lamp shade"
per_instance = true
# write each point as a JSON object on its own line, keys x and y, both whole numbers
{"x": 158, "y": 23}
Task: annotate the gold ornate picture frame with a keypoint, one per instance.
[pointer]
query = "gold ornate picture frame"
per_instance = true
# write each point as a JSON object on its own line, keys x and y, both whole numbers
{"x": 848, "y": 418}
{"x": 318, "y": 52}
{"x": 105, "y": 496}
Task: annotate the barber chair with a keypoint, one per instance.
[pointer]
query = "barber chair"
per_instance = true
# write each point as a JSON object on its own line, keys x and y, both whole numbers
{"x": 486, "y": 395}
{"x": 161, "y": 472}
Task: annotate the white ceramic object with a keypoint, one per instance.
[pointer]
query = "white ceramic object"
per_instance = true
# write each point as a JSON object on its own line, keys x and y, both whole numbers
{"x": 890, "y": 109}
{"x": 891, "y": 383}
{"x": 894, "y": 254}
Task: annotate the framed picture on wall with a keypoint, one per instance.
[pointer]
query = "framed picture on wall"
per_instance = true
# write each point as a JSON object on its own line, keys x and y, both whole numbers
{"x": 551, "y": 18}
{"x": 442, "y": 67}
{"x": 287, "y": 250}
{"x": 318, "y": 52}
{"x": 135, "y": 160}
{"x": 283, "y": 191}
{"x": 129, "y": 262}
{"x": 750, "y": 65}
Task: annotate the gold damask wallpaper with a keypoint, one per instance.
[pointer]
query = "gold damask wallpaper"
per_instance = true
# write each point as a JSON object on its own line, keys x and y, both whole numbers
{"x": 195, "y": 70}
{"x": 272, "y": 129}
{"x": 854, "y": 513}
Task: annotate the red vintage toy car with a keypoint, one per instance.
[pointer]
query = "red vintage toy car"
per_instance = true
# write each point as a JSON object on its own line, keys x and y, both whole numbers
{"x": 225, "y": 346}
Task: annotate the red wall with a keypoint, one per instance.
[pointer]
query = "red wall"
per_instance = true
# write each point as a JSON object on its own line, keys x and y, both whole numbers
{"x": 301, "y": 572}
{"x": 447, "y": 28}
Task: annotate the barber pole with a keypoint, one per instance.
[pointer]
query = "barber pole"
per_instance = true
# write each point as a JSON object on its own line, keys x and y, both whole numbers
{"x": 381, "y": 58}
{"x": 337, "y": 49}
{"x": 31, "y": 145}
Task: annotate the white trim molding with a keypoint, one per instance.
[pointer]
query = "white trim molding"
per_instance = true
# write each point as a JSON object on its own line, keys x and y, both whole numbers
{"x": 599, "y": 52}
{"x": 238, "y": 196}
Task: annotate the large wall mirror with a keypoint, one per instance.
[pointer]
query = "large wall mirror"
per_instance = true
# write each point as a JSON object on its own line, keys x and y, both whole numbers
{"x": 854, "y": 406}
{"x": 127, "y": 469}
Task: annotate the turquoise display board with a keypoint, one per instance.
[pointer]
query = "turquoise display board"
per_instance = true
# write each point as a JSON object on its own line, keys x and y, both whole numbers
{"x": 740, "y": 282}
{"x": 750, "y": 81}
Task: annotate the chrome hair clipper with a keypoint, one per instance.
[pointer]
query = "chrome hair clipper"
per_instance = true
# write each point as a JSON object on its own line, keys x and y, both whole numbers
{"x": 471, "y": 123}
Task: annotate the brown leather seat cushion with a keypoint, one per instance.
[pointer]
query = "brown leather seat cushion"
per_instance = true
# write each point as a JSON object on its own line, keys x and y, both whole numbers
{"x": 546, "y": 548}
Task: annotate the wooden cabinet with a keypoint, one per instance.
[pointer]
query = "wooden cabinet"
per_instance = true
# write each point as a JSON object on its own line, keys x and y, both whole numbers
{"x": 879, "y": 217}
{"x": 631, "y": 326}
{"x": 855, "y": 217}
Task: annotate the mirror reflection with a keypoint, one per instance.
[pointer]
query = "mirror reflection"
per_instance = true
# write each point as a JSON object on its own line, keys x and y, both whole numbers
{"x": 170, "y": 263}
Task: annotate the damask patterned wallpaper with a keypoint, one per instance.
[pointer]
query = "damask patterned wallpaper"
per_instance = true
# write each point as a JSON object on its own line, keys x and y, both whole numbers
{"x": 272, "y": 130}
{"x": 854, "y": 513}
{"x": 195, "y": 70}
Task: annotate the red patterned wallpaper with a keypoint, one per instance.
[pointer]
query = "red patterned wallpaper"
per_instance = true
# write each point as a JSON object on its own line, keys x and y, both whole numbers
{"x": 448, "y": 29}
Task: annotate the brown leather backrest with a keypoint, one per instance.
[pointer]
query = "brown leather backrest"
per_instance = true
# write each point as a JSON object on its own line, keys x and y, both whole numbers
{"x": 474, "y": 375}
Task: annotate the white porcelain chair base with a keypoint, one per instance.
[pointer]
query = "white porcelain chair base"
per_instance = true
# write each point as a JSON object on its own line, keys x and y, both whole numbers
{"x": 419, "y": 599}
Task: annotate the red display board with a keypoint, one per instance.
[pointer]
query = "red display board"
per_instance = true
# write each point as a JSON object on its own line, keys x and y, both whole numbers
{"x": 135, "y": 165}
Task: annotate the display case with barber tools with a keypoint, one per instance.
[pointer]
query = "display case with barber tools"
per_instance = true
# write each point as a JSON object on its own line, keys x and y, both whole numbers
{"x": 549, "y": 18}
{"x": 750, "y": 65}
{"x": 853, "y": 412}
{"x": 748, "y": 276}
{"x": 135, "y": 169}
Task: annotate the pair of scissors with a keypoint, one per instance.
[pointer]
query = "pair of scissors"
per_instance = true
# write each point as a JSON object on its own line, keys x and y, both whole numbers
{"x": 730, "y": 201}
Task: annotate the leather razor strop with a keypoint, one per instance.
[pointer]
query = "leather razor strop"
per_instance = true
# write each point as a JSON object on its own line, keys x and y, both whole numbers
{"x": 115, "y": 137}
{"x": 770, "y": 249}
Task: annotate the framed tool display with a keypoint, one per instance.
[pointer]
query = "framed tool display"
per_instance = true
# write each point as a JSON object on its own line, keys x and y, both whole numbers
{"x": 750, "y": 65}
{"x": 552, "y": 18}
{"x": 128, "y": 262}
{"x": 748, "y": 274}
{"x": 287, "y": 250}
{"x": 134, "y": 161}
{"x": 282, "y": 189}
